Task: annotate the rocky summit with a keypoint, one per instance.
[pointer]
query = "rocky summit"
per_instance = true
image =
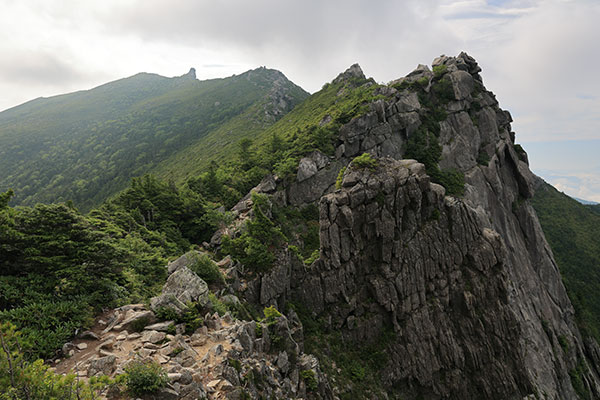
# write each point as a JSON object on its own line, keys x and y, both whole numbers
{"x": 433, "y": 274}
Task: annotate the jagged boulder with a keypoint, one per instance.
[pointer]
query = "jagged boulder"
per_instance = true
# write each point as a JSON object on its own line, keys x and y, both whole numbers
{"x": 182, "y": 288}
{"x": 185, "y": 260}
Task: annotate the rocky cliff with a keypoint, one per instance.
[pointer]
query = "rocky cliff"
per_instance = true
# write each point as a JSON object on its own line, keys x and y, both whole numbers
{"x": 433, "y": 278}
{"x": 466, "y": 283}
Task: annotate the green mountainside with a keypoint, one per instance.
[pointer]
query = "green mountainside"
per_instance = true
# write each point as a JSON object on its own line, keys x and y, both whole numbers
{"x": 87, "y": 145}
{"x": 573, "y": 232}
{"x": 51, "y": 281}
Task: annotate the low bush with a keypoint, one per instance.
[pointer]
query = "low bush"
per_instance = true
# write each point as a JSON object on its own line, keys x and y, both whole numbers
{"x": 256, "y": 246}
{"x": 310, "y": 380}
{"x": 145, "y": 377}
{"x": 365, "y": 161}
{"x": 21, "y": 379}
{"x": 271, "y": 315}
{"x": 206, "y": 269}
{"x": 340, "y": 177}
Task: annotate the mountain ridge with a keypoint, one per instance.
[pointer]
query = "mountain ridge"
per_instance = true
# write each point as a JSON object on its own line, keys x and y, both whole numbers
{"x": 47, "y": 145}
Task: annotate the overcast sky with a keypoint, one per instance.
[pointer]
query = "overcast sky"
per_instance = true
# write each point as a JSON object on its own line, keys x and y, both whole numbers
{"x": 540, "y": 57}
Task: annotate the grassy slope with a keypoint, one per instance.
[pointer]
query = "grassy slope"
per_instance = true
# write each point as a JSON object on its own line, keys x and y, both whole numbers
{"x": 220, "y": 145}
{"x": 86, "y": 146}
{"x": 573, "y": 231}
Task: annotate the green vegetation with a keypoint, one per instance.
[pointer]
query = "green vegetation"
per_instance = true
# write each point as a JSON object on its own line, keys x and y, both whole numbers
{"x": 87, "y": 145}
{"x": 257, "y": 245}
{"x": 59, "y": 267}
{"x": 483, "y": 158}
{"x": 144, "y": 377}
{"x": 576, "y": 375}
{"x": 271, "y": 315}
{"x": 56, "y": 267}
{"x": 355, "y": 367}
{"x": 424, "y": 145}
{"x": 572, "y": 230}
{"x": 310, "y": 379}
{"x": 365, "y": 161}
{"x": 191, "y": 317}
{"x": 564, "y": 343}
{"x": 21, "y": 379}
{"x": 206, "y": 269}
{"x": 217, "y": 304}
{"x": 339, "y": 179}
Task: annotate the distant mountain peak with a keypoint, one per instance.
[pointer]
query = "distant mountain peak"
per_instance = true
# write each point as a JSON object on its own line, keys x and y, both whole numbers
{"x": 191, "y": 73}
{"x": 354, "y": 71}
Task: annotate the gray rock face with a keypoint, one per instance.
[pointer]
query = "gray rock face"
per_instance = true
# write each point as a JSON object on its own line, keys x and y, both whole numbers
{"x": 103, "y": 365}
{"x": 354, "y": 71}
{"x": 468, "y": 285}
{"x": 182, "y": 287}
{"x": 184, "y": 261}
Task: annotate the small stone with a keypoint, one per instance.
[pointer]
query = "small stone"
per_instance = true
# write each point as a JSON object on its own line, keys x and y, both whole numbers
{"x": 161, "y": 358}
{"x": 89, "y": 335}
{"x": 216, "y": 350}
{"x": 212, "y": 385}
{"x": 153, "y": 336}
{"x": 174, "y": 376}
{"x": 82, "y": 346}
{"x": 226, "y": 386}
{"x": 105, "y": 353}
{"x": 160, "y": 326}
{"x": 107, "y": 344}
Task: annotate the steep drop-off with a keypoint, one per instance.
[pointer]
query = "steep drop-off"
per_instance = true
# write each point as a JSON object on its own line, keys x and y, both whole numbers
{"x": 466, "y": 284}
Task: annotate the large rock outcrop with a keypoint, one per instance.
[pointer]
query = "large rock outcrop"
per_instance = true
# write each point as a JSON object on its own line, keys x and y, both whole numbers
{"x": 468, "y": 284}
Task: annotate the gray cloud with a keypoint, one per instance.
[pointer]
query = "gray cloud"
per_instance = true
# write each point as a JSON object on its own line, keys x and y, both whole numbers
{"x": 34, "y": 68}
{"x": 311, "y": 41}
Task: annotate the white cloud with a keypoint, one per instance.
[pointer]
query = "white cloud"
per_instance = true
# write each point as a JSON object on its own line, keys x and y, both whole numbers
{"x": 584, "y": 186}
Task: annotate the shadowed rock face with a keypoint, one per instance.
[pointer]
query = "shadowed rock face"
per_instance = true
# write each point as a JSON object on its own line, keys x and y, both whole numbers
{"x": 468, "y": 285}
{"x": 437, "y": 275}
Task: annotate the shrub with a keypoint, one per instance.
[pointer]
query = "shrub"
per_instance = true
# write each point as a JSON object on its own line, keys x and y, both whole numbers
{"x": 139, "y": 324}
{"x": 271, "y": 315}
{"x": 340, "y": 177}
{"x": 364, "y": 161}
{"x": 483, "y": 158}
{"x": 145, "y": 377}
{"x": 439, "y": 70}
{"x": 206, "y": 269}
{"x": 166, "y": 314}
{"x": 315, "y": 254}
{"x": 217, "y": 304}
{"x": 520, "y": 152}
{"x": 562, "y": 340}
{"x": 310, "y": 379}
{"x": 443, "y": 90}
{"x": 452, "y": 179}
{"x": 258, "y": 330}
{"x": 21, "y": 379}
{"x": 255, "y": 247}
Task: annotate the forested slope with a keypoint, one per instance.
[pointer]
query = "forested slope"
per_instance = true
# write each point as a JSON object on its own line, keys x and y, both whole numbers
{"x": 573, "y": 231}
{"x": 87, "y": 145}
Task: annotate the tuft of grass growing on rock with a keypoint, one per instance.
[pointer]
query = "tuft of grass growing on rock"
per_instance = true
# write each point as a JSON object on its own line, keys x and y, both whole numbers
{"x": 365, "y": 161}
